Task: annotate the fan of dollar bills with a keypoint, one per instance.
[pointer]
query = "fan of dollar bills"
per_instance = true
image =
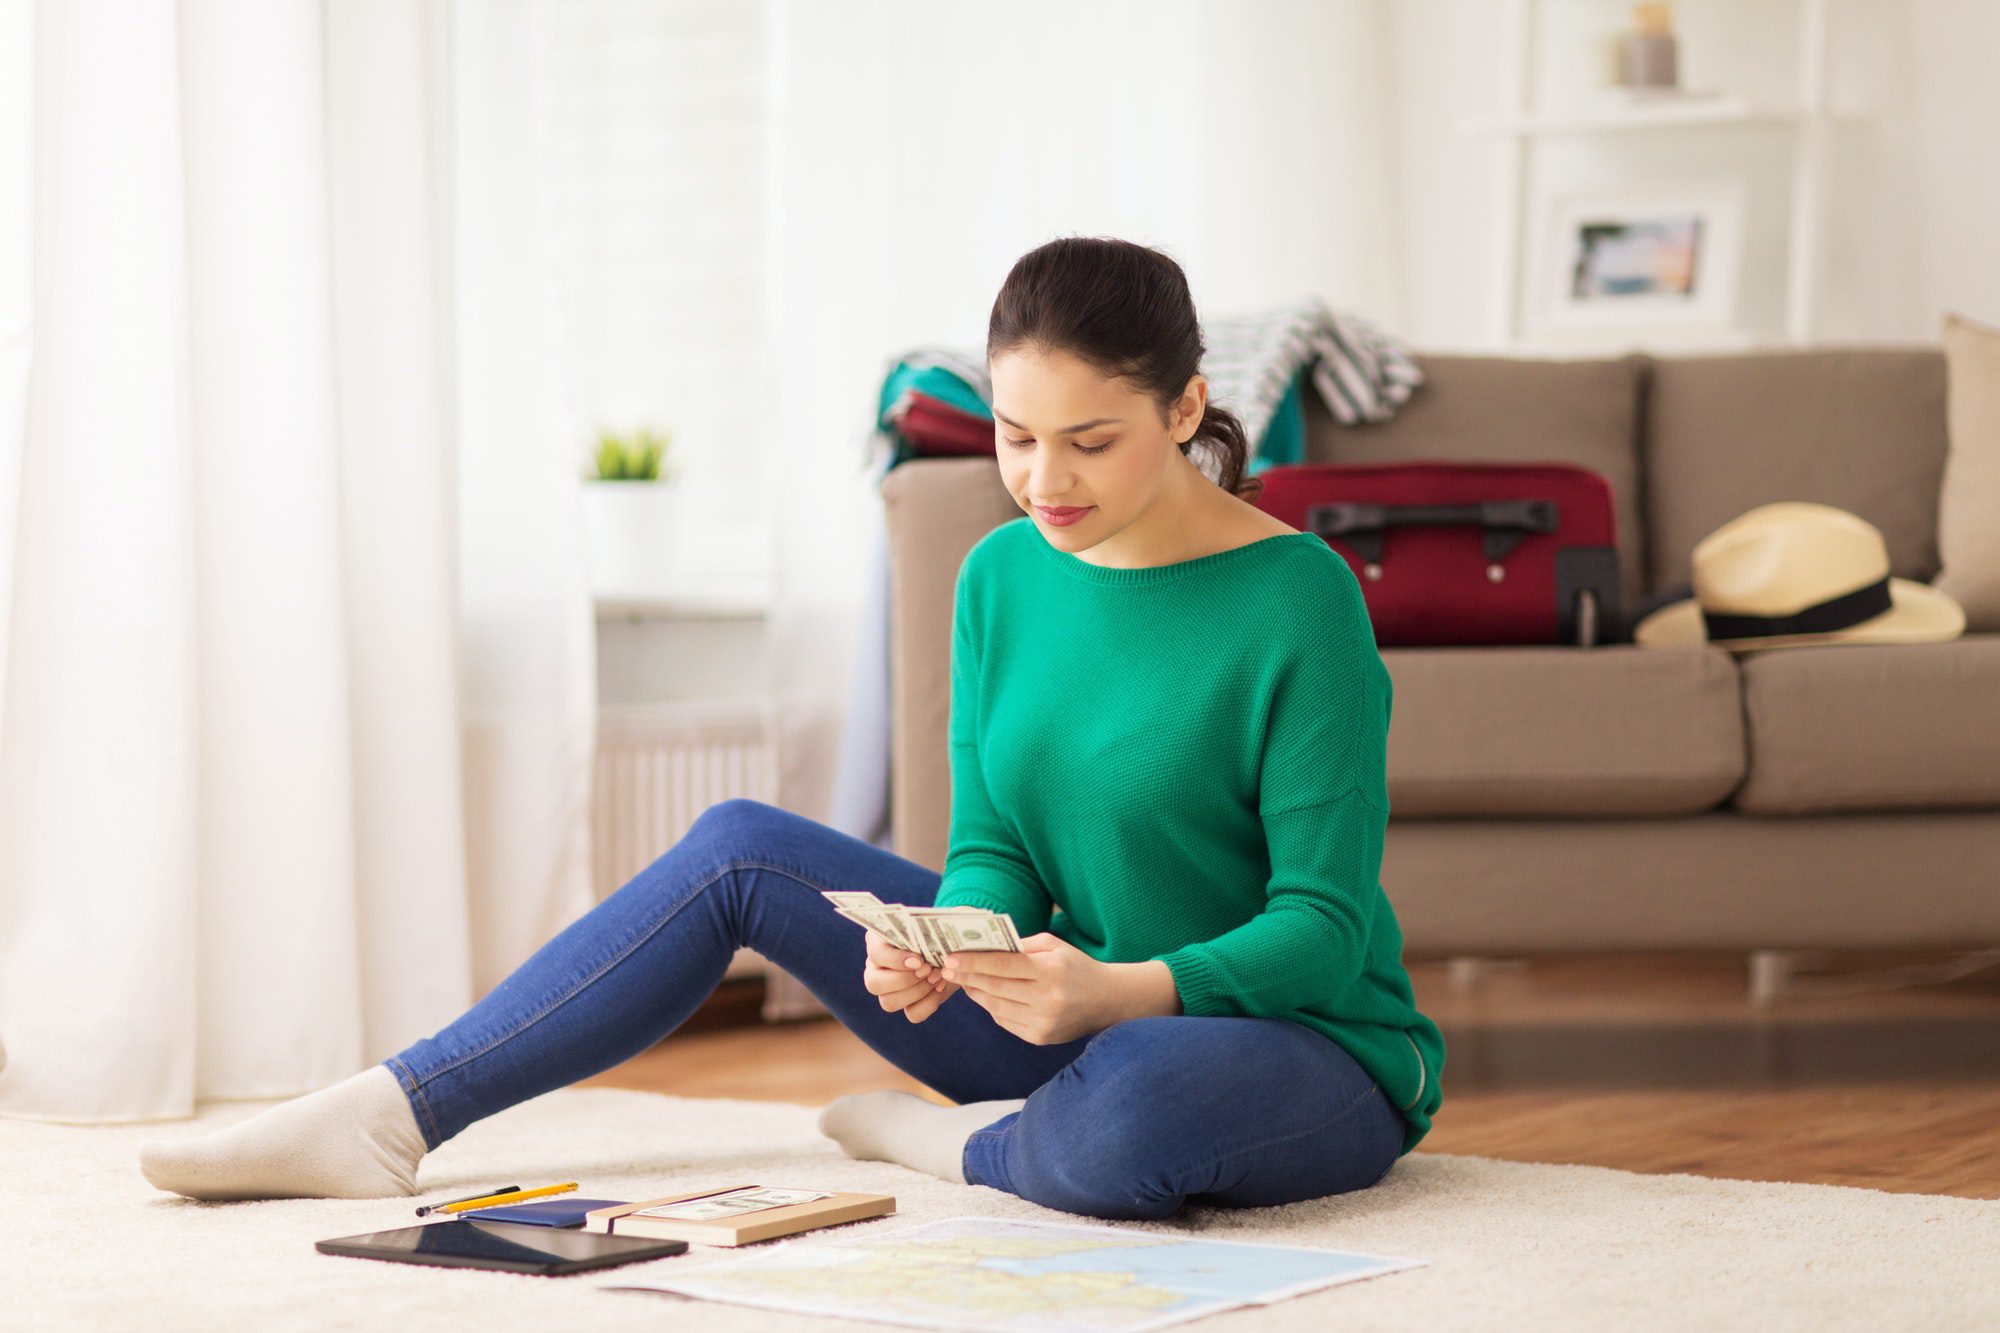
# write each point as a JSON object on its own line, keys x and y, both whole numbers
{"x": 931, "y": 932}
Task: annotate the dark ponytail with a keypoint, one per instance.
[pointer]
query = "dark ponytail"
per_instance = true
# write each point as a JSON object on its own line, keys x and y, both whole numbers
{"x": 1125, "y": 309}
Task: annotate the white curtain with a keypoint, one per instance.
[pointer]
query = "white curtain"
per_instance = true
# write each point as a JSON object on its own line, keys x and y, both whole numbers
{"x": 296, "y": 655}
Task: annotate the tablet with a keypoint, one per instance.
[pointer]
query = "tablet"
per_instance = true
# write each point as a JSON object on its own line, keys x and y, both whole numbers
{"x": 513, "y": 1246}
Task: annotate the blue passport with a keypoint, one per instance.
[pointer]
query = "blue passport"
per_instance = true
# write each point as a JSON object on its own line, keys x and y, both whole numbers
{"x": 564, "y": 1212}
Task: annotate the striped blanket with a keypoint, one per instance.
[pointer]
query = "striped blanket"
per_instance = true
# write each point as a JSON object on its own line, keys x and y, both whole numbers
{"x": 1361, "y": 373}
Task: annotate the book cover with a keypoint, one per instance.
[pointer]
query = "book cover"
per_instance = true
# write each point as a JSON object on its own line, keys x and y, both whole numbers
{"x": 556, "y": 1212}
{"x": 737, "y": 1214}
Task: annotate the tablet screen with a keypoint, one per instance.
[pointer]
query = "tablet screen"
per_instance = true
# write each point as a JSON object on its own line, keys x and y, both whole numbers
{"x": 507, "y": 1245}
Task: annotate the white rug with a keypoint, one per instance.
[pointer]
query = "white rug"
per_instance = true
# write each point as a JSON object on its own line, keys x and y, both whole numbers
{"x": 85, "y": 1242}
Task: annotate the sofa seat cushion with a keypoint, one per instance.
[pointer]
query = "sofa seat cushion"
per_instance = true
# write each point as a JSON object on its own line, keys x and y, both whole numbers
{"x": 1614, "y": 730}
{"x": 1875, "y": 726}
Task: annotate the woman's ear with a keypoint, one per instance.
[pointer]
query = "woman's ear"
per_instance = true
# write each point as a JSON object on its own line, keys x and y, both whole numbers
{"x": 1191, "y": 408}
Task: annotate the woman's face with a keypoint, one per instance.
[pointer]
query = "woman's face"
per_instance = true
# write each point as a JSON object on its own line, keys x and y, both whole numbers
{"x": 1070, "y": 438}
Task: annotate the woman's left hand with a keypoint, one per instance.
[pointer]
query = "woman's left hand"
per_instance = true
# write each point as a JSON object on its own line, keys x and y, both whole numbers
{"x": 1051, "y": 992}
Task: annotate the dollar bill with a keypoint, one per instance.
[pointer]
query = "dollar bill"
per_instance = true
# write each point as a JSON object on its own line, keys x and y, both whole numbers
{"x": 867, "y": 910}
{"x": 732, "y": 1203}
{"x": 929, "y": 932}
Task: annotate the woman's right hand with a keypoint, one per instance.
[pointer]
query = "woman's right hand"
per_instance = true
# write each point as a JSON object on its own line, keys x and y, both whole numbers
{"x": 903, "y": 981}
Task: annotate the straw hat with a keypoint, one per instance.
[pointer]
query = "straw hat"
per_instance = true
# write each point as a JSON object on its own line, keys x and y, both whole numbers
{"x": 1797, "y": 573}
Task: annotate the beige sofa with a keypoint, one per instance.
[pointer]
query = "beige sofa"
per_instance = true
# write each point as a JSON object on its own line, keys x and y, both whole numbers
{"x": 1618, "y": 797}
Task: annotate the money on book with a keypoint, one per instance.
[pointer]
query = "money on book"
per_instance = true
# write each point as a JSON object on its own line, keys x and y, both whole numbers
{"x": 731, "y": 1203}
{"x": 929, "y": 932}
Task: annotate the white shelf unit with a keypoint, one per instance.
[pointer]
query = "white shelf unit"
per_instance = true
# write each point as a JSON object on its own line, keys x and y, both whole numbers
{"x": 1525, "y": 124}
{"x": 1651, "y": 113}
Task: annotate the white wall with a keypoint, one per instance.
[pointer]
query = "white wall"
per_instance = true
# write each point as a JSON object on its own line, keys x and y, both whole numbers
{"x": 1920, "y": 208}
{"x": 1912, "y": 203}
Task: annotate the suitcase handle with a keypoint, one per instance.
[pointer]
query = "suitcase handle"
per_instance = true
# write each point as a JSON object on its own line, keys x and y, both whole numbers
{"x": 1364, "y": 525}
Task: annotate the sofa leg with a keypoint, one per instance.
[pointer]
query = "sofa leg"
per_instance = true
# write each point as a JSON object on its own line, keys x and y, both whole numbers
{"x": 1772, "y": 971}
{"x": 1777, "y": 973}
{"x": 1463, "y": 971}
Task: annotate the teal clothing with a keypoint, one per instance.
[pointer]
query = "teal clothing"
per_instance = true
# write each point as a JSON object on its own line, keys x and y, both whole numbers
{"x": 936, "y": 381}
{"x": 1187, "y": 762}
{"x": 1285, "y": 438}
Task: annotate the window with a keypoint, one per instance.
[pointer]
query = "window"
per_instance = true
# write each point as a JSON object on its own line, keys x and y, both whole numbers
{"x": 657, "y": 148}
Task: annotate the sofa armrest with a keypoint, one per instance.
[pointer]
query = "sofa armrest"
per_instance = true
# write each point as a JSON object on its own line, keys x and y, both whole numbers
{"x": 935, "y": 510}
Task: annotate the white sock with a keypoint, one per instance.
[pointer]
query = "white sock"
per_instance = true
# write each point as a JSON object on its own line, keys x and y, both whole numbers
{"x": 356, "y": 1139}
{"x": 903, "y": 1128}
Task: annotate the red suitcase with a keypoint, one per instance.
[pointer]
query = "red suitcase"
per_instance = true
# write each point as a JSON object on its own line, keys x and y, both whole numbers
{"x": 1465, "y": 553}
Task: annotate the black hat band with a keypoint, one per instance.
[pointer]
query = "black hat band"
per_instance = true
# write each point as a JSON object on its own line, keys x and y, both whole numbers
{"x": 1850, "y": 608}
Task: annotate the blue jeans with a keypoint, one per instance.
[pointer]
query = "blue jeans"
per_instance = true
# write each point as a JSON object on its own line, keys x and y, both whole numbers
{"x": 1128, "y": 1122}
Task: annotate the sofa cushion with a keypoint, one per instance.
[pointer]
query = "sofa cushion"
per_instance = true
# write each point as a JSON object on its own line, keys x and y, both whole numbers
{"x": 1859, "y": 428}
{"x": 1615, "y": 730}
{"x": 1873, "y": 727}
{"x": 1495, "y": 409}
{"x": 1968, "y": 538}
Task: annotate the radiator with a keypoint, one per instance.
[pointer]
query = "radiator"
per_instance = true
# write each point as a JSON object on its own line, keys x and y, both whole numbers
{"x": 658, "y": 767}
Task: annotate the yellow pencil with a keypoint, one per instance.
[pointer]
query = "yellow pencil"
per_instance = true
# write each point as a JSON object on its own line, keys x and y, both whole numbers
{"x": 512, "y": 1196}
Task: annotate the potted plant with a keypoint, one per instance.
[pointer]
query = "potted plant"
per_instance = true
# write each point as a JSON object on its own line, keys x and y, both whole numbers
{"x": 630, "y": 515}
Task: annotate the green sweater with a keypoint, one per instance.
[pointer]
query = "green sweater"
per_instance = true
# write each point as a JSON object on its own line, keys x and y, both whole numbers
{"x": 1186, "y": 762}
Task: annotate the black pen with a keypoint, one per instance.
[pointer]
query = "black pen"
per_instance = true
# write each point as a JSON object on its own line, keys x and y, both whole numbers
{"x": 432, "y": 1207}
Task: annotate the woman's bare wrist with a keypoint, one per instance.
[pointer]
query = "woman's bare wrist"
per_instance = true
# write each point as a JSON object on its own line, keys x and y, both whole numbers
{"x": 1146, "y": 990}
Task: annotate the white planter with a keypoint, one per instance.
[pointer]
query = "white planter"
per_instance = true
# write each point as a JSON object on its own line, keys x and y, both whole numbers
{"x": 633, "y": 535}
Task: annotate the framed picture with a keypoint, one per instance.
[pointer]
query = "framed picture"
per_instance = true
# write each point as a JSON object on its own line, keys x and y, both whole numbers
{"x": 1633, "y": 259}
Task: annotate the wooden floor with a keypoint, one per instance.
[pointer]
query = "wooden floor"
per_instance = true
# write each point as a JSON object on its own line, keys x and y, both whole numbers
{"x": 1656, "y": 1063}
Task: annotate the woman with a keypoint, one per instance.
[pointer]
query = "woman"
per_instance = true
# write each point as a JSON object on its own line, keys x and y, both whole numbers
{"x": 1167, "y": 736}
